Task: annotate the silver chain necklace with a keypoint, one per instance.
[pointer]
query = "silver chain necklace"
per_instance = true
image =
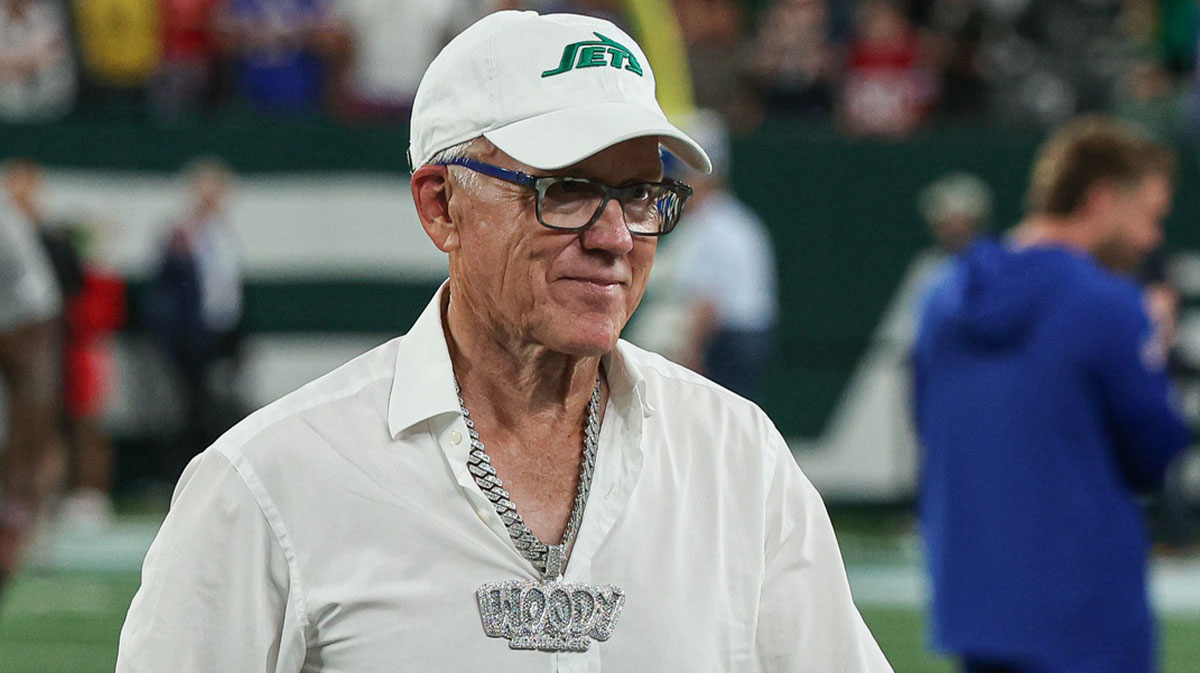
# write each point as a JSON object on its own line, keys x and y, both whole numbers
{"x": 550, "y": 560}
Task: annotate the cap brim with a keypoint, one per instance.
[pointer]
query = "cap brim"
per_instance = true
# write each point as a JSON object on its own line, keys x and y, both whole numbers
{"x": 564, "y": 137}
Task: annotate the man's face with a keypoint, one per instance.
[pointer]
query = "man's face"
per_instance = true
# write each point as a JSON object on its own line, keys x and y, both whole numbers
{"x": 209, "y": 189}
{"x": 571, "y": 292}
{"x": 1133, "y": 223}
{"x": 954, "y": 232}
{"x": 23, "y": 184}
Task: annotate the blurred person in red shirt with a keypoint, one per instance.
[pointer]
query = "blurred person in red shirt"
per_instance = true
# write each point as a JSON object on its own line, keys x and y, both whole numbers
{"x": 887, "y": 91}
{"x": 93, "y": 315}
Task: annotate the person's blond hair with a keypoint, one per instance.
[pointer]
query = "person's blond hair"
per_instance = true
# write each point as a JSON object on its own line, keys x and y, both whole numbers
{"x": 1089, "y": 151}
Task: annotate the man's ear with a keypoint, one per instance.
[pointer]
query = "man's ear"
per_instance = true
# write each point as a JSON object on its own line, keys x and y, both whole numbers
{"x": 431, "y": 195}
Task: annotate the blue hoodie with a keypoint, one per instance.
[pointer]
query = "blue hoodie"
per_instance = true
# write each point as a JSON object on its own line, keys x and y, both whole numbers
{"x": 1042, "y": 405}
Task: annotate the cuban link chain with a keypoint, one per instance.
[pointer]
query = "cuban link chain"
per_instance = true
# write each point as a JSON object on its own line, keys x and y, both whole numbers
{"x": 550, "y": 560}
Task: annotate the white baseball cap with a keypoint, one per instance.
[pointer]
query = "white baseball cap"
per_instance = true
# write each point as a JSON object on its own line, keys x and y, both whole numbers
{"x": 549, "y": 91}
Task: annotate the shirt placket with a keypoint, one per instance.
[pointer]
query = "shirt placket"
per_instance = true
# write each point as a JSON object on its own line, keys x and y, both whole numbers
{"x": 455, "y": 441}
{"x": 618, "y": 465}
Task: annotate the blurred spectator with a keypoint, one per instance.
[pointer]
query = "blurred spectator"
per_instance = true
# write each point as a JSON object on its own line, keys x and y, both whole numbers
{"x": 119, "y": 49}
{"x": 277, "y": 48}
{"x": 185, "y": 82}
{"x": 93, "y": 308}
{"x": 887, "y": 92}
{"x": 37, "y": 75}
{"x": 956, "y": 206}
{"x": 386, "y": 46}
{"x": 30, "y": 305}
{"x": 194, "y": 309}
{"x": 951, "y": 35}
{"x": 93, "y": 315}
{"x": 795, "y": 61}
{"x": 1043, "y": 406}
{"x": 726, "y": 272}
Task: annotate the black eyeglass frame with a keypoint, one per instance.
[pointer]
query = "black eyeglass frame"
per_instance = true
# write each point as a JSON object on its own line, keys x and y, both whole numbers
{"x": 541, "y": 183}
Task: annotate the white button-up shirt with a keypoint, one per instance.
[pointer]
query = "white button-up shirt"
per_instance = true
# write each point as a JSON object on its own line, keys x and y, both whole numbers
{"x": 339, "y": 530}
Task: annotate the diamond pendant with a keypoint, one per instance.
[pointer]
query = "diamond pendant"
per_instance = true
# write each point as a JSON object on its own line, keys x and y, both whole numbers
{"x": 552, "y": 616}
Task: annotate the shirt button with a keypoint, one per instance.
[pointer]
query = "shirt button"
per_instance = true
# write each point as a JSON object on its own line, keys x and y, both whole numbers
{"x": 456, "y": 437}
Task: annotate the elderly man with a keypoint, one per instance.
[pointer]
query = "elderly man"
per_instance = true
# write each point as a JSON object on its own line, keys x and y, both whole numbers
{"x": 597, "y": 508}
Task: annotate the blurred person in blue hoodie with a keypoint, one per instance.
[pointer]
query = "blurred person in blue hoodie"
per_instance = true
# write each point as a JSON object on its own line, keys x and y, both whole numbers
{"x": 1043, "y": 407}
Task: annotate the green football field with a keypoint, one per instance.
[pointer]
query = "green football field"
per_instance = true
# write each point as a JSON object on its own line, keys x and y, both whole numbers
{"x": 64, "y": 613}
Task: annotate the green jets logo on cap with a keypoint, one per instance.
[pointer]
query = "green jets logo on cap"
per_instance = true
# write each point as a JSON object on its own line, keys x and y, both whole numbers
{"x": 595, "y": 53}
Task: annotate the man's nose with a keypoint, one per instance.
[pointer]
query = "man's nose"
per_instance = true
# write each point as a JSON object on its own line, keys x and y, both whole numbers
{"x": 609, "y": 232}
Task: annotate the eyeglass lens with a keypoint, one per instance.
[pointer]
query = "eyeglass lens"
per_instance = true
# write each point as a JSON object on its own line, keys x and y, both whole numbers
{"x": 571, "y": 204}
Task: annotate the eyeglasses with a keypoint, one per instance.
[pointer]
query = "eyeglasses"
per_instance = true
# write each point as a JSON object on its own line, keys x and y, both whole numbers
{"x": 574, "y": 204}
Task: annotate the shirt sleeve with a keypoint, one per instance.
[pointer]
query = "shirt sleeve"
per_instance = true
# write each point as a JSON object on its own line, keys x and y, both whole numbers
{"x": 216, "y": 592}
{"x": 807, "y": 619}
{"x": 1137, "y": 395}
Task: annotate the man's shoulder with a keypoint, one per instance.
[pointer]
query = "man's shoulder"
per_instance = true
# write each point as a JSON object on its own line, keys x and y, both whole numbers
{"x": 361, "y": 385}
{"x": 658, "y": 369}
{"x": 703, "y": 430}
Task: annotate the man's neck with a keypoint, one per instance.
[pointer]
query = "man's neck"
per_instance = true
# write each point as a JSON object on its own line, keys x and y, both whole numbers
{"x": 514, "y": 383}
{"x": 1049, "y": 230}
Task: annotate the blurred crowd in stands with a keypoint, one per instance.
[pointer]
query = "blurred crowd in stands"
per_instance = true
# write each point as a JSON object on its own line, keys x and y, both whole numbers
{"x": 880, "y": 68}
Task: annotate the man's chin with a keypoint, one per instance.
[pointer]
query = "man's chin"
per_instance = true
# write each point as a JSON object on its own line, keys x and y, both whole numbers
{"x": 586, "y": 348}
{"x": 584, "y": 339}
{"x": 1120, "y": 259}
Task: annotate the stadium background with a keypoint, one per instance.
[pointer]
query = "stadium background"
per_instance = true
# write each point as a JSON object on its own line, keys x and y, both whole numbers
{"x": 335, "y": 263}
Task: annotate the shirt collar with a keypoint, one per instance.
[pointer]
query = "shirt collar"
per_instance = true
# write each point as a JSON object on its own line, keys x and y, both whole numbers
{"x": 626, "y": 384}
{"x": 423, "y": 383}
